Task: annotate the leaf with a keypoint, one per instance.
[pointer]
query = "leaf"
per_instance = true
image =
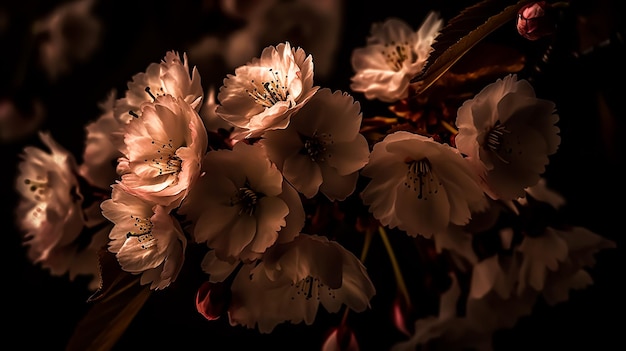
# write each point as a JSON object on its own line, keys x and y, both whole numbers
{"x": 116, "y": 304}
{"x": 461, "y": 34}
{"x": 111, "y": 276}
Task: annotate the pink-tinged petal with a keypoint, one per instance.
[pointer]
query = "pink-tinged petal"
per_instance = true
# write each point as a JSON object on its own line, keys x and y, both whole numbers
{"x": 238, "y": 234}
{"x": 369, "y": 59}
{"x": 304, "y": 174}
{"x": 421, "y": 211}
{"x": 540, "y": 255}
{"x": 349, "y": 157}
{"x": 169, "y": 77}
{"x": 458, "y": 241}
{"x": 281, "y": 145}
{"x": 337, "y": 187}
{"x": 294, "y": 221}
{"x": 217, "y": 269}
{"x": 484, "y": 276}
{"x": 271, "y": 213}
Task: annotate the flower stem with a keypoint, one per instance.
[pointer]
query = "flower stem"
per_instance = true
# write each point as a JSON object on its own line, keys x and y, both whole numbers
{"x": 366, "y": 245}
{"x": 396, "y": 268}
{"x": 449, "y": 127}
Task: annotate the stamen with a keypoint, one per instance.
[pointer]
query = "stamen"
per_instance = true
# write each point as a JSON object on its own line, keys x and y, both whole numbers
{"x": 167, "y": 161}
{"x": 268, "y": 93}
{"x": 37, "y": 187}
{"x": 316, "y": 146}
{"x": 246, "y": 198}
{"x": 150, "y": 93}
{"x": 420, "y": 178}
{"x": 495, "y": 138}
{"x": 143, "y": 232}
{"x": 396, "y": 54}
{"x": 310, "y": 287}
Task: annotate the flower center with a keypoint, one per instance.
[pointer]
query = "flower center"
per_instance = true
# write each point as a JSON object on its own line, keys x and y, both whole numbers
{"x": 38, "y": 187}
{"x": 159, "y": 92}
{"x": 309, "y": 287}
{"x": 143, "y": 232}
{"x": 420, "y": 178}
{"x": 396, "y": 54}
{"x": 246, "y": 199}
{"x": 167, "y": 162}
{"x": 268, "y": 93}
{"x": 495, "y": 140}
{"x": 316, "y": 146}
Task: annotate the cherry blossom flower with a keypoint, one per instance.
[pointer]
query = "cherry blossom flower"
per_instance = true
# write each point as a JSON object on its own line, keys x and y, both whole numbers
{"x": 507, "y": 134}
{"x": 50, "y": 212}
{"x": 71, "y": 34}
{"x": 420, "y": 185}
{"x": 583, "y": 245}
{"x": 321, "y": 149}
{"x": 169, "y": 77}
{"x": 554, "y": 250}
{"x": 163, "y": 151}
{"x": 292, "y": 279}
{"x": 550, "y": 263}
{"x": 145, "y": 238}
{"x": 264, "y": 93}
{"x": 241, "y": 203}
{"x": 394, "y": 54}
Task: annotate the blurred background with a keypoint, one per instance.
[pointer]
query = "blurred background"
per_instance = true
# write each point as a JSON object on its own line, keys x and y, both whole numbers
{"x": 54, "y": 76}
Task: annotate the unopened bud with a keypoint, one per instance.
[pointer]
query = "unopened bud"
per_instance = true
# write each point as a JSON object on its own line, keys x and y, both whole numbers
{"x": 536, "y": 20}
{"x": 212, "y": 300}
{"x": 341, "y": 338}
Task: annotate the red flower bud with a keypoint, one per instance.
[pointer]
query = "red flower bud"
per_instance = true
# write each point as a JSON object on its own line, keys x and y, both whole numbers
{"x": 341, "y": 338}
{"x": 402, "y": 315}
{"x": 212, "y": 300}
{"x": 536, "y": 20}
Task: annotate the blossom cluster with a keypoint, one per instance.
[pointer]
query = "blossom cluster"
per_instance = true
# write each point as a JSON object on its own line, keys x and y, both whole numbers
{"x": 242, "y": 173}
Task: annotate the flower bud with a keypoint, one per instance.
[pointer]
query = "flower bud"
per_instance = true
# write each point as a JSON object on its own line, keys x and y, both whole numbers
{"x": 341, "y": 338}
{"x": 536, "y": 20}
{"x": 212, "y": 300}
{"x": 403, "y": 315}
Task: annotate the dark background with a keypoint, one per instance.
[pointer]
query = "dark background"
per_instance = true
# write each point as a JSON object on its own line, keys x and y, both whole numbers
{"x": 40, "y": 311}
